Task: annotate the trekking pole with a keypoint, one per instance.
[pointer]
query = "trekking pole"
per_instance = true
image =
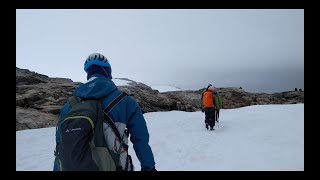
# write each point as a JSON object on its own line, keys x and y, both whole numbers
{"x": 218, "y": 122}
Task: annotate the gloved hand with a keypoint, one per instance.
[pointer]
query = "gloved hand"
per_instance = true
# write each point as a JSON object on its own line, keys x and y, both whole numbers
{"x": 202, "y": 109}
{"x": 153, "y": 169}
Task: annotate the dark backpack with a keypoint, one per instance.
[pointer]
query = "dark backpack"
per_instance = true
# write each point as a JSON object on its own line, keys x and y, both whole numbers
{"x": 83, "y": 144}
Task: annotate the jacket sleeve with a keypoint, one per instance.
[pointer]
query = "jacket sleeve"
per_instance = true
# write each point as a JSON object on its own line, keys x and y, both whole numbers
{"x": 220, "y": 102}
{"x": 201, "y": 100}
{"x": 215, "y": 101}
{"x": 62, "y": 113}
{"x": 66, "y": 107}
{"x": 139, "y": 136}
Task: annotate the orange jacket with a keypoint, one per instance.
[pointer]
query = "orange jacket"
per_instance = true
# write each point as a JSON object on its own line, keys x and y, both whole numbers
{"x": 207, "y": 99}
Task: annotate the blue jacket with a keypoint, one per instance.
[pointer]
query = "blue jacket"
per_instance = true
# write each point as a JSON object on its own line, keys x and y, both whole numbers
{"x": 127, "y": 112}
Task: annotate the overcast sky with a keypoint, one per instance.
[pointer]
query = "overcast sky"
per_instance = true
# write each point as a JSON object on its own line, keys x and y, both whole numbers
{"x": 260, "y": 50}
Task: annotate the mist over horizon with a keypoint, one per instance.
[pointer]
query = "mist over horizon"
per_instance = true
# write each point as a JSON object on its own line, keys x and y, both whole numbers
{"x": 261, "y": 50}
{"x": 237, "y": 80}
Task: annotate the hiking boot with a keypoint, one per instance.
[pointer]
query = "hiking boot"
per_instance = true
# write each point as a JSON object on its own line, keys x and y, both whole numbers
{"x": 207, "y": 126}
{"x": 211, "y": 129}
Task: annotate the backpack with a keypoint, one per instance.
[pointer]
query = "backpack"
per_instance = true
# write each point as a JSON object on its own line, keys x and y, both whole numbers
{"x": 207, "y": 99}
{"x": 83, "y": 144}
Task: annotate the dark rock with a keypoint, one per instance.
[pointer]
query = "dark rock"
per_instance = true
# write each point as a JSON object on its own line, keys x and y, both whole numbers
{"x": 39, "y": 98}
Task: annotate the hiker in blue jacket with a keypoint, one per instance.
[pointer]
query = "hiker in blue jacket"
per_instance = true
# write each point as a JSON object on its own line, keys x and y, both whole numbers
{"x": 126, "y": 113}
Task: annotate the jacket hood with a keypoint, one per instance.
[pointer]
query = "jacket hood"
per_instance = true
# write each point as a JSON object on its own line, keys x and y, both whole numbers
{"x": 96, "y": 87}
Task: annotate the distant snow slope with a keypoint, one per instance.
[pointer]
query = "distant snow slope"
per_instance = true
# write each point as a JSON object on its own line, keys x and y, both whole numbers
{"x": 121, "y": 82}
{"x": 165, "y": 88}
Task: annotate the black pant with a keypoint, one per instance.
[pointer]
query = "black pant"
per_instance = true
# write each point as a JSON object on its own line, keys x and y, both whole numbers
{"x": 210, "y": 116}
{"x": 217, "y": 114}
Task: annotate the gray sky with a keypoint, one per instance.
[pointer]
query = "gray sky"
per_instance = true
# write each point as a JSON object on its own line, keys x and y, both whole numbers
{"x": 260, "y": 50}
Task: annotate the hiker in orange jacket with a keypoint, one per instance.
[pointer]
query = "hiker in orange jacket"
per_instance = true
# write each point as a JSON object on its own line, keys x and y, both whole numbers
{"x": 208, "y": 104}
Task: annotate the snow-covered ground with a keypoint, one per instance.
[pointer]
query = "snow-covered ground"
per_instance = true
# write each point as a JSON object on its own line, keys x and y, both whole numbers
{"x": 165, "y": 88}
{"x": 260, "y": 137}
{"x": 120, "y": 82}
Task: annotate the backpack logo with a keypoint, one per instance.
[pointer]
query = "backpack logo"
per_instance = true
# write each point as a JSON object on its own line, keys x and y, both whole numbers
{"x": 91, "y": 85}
{"x": 75, "y": 129}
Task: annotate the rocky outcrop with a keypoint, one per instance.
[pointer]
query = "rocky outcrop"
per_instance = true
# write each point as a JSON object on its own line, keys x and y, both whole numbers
{"x": 39, "y": 98}
{"x": 29, "y": 118}
{"x": 235, "y": 98}
{"x": 148, "y": 99}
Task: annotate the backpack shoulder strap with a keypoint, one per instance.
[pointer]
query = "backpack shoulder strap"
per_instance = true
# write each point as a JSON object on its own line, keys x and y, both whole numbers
{"x": 115, "y": 102}
{"x": 73, "y": 100}
{"x": 107, "y": 118}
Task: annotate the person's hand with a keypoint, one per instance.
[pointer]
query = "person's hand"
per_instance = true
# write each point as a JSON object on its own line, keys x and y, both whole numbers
{"x": 153, "y": 169}
{"x": 202, "y": 109}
